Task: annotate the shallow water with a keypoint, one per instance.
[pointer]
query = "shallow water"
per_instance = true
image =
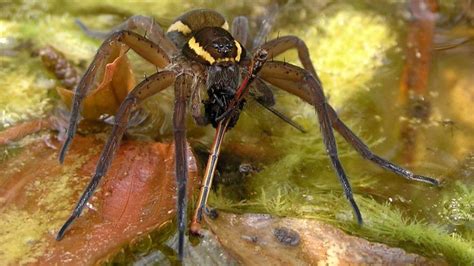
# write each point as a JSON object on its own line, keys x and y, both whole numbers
{"x": 358, "y": 48}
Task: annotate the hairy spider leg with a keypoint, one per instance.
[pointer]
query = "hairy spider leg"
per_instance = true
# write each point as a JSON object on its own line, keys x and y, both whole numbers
{"x": 276, "y": 47}
{"x": 240, "y": 31}
{"x": 182, "y": 85}
{"x": 359, "y": 145}
{"x": 282, "y": 44}
{"x": 142, "y": 46}
{"x": 306, "y": 86}
{"x": 151, "y": 85}
{"x": 365, "y": 152}
{"x": 303, "y": 82}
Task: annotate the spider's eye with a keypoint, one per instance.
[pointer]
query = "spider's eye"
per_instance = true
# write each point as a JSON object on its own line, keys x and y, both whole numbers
{"x": 213, "y": 45}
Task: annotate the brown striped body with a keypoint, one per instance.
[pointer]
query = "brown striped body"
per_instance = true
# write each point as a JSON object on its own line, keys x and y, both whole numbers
{"x": 209, "y": 43}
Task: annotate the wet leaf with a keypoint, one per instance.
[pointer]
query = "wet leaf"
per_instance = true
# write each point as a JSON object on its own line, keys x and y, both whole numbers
{"x": 37, "y": 194}
{"x": 113, "y": 85}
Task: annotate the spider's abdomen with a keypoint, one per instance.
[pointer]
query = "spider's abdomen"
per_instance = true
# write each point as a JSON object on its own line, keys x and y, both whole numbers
{"x": 213, "y": 45}
{"x": 185, "y": 26}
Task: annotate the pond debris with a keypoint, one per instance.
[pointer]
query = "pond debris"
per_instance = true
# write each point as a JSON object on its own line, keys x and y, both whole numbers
{"x": 136, "y": 198}
{"x": 21, "y": 130}
{"x": 287, "y": 236}
{"x": 114, "y": 81}
{"x": 56, "y": 62}
{"x": 251, "y": 238}
{"x": 414, "y": 81}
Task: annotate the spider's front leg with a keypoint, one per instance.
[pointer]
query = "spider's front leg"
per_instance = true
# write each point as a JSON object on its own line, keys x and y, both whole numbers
{"x": 151, "y": 85}
{"x": 282, "y": 44}
{"x": 141, "y": 45}
{"x": 183, "y": 84}
{"x": 307, "y": 86}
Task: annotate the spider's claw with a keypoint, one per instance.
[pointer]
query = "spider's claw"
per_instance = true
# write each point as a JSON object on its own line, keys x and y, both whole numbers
{"x": 356, "y": 210}
{"x": 211, "y": 213}
{"x": 426, "y": 179}
{"x": 180, "y": 244}
{"x": 64, "y": 148}
{"x": 181, "y": 216}
{"x": 65, "y": 226}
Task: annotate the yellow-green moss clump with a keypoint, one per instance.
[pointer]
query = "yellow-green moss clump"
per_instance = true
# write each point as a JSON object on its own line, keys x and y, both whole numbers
{"x": 23, "y": 94}
{"x": 22, "y": 231}
{"x": 347, "y": 47}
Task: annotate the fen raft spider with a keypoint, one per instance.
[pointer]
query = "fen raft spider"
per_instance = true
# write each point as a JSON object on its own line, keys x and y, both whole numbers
{"x": 199, "y": 53}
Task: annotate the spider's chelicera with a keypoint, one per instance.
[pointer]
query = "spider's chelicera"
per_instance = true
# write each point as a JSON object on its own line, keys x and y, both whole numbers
{"x": 198, "y": 53}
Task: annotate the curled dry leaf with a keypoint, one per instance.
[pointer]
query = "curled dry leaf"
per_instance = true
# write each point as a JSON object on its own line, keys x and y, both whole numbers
{"x": 112, "y": 85}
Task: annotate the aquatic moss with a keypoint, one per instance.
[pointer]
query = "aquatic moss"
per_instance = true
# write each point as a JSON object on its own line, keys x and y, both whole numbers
{"x": 382, "y": 222}
{"x": 24, "y": 95}
{"x": 457, "y": 210}
{"x": 347, "y": 47}
{"x": 23, "y": 232}
{"x": 19, "y": 232}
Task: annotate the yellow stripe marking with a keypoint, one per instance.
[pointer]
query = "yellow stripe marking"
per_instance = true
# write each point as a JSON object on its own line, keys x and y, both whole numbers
{"x": 179, "y": 27}
{"x": 239, "y": 51}
{"x": 225, "y": 26}
{"x": 200, "y": 51}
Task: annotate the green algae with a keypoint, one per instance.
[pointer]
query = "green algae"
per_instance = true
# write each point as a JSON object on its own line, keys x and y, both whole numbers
{"x": 48, "y": 201}
{"x": 358, "y": 57}
{"x": 20, "y": 231}
{"x": 23, "y": 101}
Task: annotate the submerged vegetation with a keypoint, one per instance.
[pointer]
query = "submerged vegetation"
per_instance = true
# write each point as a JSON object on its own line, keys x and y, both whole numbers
{"x": 357, "y": 49}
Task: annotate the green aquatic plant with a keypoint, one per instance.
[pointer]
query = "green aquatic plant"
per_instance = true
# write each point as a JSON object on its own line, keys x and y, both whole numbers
{"x": 457, "y": 209}
{"x": 383, "y": 222}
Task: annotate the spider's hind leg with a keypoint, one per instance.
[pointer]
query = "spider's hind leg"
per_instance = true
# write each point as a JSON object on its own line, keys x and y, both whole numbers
{"x": 365, "y": 152}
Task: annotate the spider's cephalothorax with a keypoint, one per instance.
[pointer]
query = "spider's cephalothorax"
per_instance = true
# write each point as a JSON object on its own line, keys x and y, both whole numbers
{"x": 201, "y": 38}
{"x": 221, "y": 53}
